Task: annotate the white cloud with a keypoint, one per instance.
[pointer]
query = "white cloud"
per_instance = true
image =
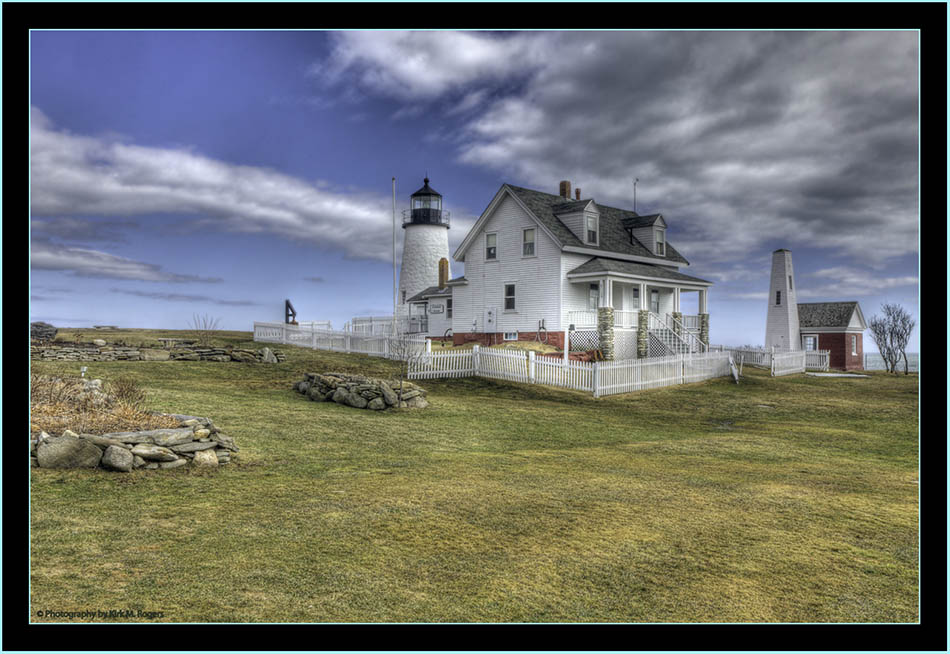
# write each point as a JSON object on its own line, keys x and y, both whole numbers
{"x": 79, "y": 175}
{"x": 81, "y": 262}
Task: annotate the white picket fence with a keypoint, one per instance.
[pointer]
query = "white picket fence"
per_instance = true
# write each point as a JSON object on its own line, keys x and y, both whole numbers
{"x": 762, "y": 358}
{"x": 788, "y": 363}
{"x": 340, "y": 341}
{"x": 601, "y": 378}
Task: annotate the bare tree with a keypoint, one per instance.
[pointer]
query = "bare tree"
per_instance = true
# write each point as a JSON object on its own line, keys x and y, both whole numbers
{"x": 403, "y": 347}
{"x": 204, "y": 329}
{"x": 891, "y": 333}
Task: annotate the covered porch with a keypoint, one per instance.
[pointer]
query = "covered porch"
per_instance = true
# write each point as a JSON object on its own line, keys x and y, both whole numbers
{"x": 628, "y": 297}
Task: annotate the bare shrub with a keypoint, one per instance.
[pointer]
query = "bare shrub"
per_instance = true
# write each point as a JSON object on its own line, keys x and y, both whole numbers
{"x": 127, "y": 392}
{"x": 204, "y": 329}
{"x": 890, "y": 333}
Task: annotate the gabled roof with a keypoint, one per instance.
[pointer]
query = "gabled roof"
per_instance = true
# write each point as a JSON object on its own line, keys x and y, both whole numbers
{"x": 604, "y": 265}
{"x": 827, "y": 314}
{"x": 633, "y": 222}
{"x": 432, "y": 291}
{"x": 570, "y": 206}
{"x": 614, "y": 236}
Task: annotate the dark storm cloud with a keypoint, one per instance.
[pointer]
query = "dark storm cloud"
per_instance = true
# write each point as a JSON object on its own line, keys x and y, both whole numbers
{"x": 740, "y": 139}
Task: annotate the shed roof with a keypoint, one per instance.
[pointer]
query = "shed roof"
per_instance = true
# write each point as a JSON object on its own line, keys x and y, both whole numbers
{"x": 825, "y": 314}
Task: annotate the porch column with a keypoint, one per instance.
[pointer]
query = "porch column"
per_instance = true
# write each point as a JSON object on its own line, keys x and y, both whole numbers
{"x": 605, "y": 331}
{"x": 643, "y": 334}
{"x": 601, "y": 292}
{"x": 702, "y": 300}
{"x": 676, "y": 300}
{"x": 704, "y": 329}
{"x": 644, "y": 302}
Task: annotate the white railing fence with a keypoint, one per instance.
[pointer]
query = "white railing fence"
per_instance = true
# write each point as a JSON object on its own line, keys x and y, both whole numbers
{"x": 601, "y": 378}
{"x": 762, "y": 358}
{"x": 381, "y": 345}
{"x": 788, "y": 363}
{"x": 818, "y": 360}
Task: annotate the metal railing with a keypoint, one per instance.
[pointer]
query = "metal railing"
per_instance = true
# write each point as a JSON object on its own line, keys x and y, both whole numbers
{"x": 691, "y": 339}
{"x": 426, "y": 216}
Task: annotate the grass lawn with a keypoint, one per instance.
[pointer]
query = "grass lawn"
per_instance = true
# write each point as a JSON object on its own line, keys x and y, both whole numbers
{"x": 779, "y": 499}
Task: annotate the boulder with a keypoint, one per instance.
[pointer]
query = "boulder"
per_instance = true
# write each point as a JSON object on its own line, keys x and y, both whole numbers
{"x": 68, "y": 452}
{"x": 98, "y": 342}
{"x": 202, "y": 433}
{"x": 388, "y": 395}
{"x": 137, "y": 461}
{"x": 104, "y": 443}
{"x": 417, "y": 402}
{"x": 150, "y": 354}
{"x": 156, "y": 436}
{"x": 377, "y": 404}
{"x": 243, "y": 357}
{"x": 316, "y": 394}
{"x": 267, "y": 356}
{"x": 118, "y": 458}
{"x": 153, "y": 452}
{"x": 173, "y": 437}
{"x": 355, "y": 400}
{"x": 167, "y": 465}
{"x": 194, "y": 446}
{"x": 205, "y": 458}
{"x": 339, "y": 395}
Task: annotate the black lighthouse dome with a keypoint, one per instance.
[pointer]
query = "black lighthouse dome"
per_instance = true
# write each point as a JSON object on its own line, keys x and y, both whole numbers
{"x": 425, "y": 208}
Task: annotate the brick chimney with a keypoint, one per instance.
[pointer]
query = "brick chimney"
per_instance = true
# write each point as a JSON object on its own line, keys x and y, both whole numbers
{"x": 577, "y": 192}
{"x": 565, "y": 189}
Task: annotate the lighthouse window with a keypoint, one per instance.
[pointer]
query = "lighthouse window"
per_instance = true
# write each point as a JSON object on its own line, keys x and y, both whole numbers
{"x": 528, "y": 247}
{"x": 491, "y": 241}
{"x": 778, "y": 298}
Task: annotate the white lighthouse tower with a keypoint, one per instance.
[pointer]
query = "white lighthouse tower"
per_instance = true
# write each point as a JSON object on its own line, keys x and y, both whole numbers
{"x": 426, "y": 242}
{"x": 781, "y": 326}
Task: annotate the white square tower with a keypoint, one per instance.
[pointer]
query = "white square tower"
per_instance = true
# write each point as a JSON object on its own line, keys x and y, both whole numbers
{"x": 781, "y": 325}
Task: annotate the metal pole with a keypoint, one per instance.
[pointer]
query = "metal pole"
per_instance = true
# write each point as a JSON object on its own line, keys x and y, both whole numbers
{"x": 394, "y": 255}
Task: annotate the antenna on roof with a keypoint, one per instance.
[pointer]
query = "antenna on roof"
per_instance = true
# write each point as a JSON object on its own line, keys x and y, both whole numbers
{"x": 635, "y": 180}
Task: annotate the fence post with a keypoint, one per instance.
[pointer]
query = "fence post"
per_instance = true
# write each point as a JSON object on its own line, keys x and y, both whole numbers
{"x": 567, "y": 346}
{"x": 346, "y": 342}
{"x": 531, "y": 366}
{"x": 428, "y": 346}
{"x": 313, "y": 340}
{"x": 595, "y": 379}
{"x": 386, "y": 347}
{"x": 283, "y": 334}
{"x": 475, "y": 359}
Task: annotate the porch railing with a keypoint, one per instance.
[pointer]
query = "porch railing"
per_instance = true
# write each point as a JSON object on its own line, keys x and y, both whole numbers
{"x": 690, "y": 338}
{"x": 691, "y": 323}
{"x": 588, "y": 319}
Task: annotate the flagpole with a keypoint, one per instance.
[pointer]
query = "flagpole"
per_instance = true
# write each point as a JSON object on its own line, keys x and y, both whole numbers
{"x": 394, "y": 255}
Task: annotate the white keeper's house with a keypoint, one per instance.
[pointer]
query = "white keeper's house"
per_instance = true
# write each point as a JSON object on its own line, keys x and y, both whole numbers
{"x": 537, "y": 264}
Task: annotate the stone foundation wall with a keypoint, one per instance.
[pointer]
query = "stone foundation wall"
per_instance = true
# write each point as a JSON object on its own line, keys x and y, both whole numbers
{"x": 361, "y": 392}
{"x": 82, "y": 352}
{"x": 196, "y": 441}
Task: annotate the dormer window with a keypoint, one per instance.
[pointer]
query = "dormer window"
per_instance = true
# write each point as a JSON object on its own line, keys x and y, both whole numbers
{"x": 660, "y": 241}
{"x": 592, "y": 229}
{"x": 491, "y": 243}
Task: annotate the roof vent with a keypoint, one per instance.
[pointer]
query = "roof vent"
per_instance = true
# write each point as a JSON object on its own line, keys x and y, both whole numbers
{"x": 565, "y": 189}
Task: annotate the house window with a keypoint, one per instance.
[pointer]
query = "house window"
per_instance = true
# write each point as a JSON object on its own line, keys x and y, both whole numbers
{"x": 636, "y": 297}
{"x": 491, "y": 242}
{"x": 511, "y": 336}
{"x": 854, "y": 345}
{"x": 448, "y": 308}
{"x": 509, "y": 297}
{"x": 527, "y": 248}
{"x": 778, "y": 298}
{"x": 660, "y": 243}
{"x": 655, "y": 302}
{"x": 810, "y": 342}
{"x": 593, "y": 297}
{"x": 592, "y": 229}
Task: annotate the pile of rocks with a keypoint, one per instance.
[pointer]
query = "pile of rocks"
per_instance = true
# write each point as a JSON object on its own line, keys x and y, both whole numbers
{"x": 103, "y": 352}
{"x": 42, "y": 331}
{"x": 197, "y": 440}
{"x": 361, "y": 392}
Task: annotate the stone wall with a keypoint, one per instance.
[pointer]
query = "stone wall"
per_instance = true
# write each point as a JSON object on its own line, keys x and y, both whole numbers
{"x": 93, "y": 352}
{"x": 361, "y": 392}
{"x": 197, "y": 441}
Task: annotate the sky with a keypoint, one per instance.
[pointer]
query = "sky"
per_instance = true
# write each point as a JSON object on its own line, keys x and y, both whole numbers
{"x": 214, "y": 174}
